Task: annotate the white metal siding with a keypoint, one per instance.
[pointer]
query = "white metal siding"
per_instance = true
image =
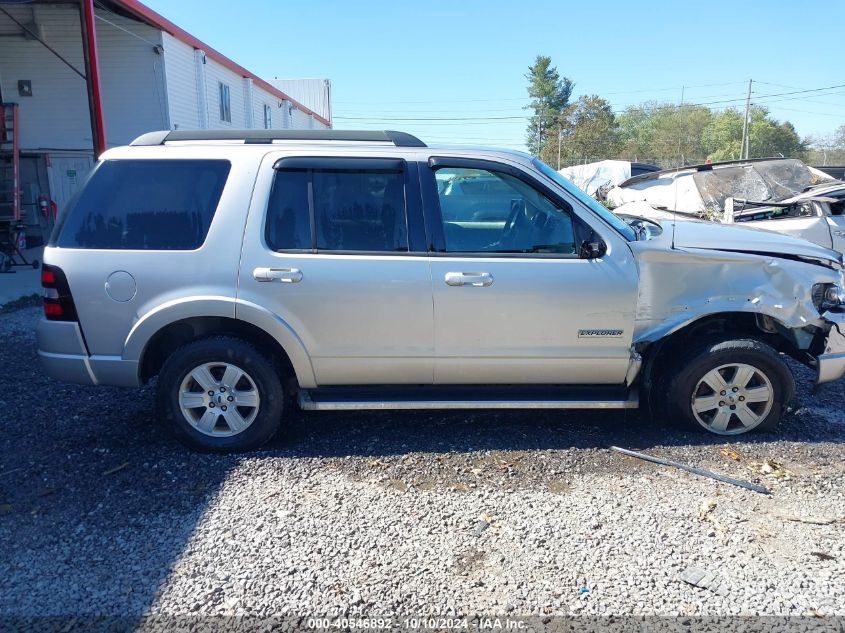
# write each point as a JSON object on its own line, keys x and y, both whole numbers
{"x": 260, "y": 98}
{"x": 249, "y": 107}
{"x": 131, "y": 77}
{"x": 312, "y": 93}
{"x": 300, "y": 120}
{"x": 216, "y": 73}
{"x": 182, "y": 91}
{"x": 56, "y": 115}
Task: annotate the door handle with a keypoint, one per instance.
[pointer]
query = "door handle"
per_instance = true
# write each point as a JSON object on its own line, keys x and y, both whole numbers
{"x": 285, "y": 275}
{"x": 478, "y": 280}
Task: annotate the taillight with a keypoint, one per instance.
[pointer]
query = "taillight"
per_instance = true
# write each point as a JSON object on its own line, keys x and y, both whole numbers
{"x": 58, "y": 303}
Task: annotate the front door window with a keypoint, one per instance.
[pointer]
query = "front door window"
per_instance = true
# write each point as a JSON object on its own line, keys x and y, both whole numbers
{"x": 486, "y": 211}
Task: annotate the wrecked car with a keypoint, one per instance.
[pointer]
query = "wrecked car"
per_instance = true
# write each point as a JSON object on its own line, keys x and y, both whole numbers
{"x": 781, "y": 195}
{"x": 249, "y": 270}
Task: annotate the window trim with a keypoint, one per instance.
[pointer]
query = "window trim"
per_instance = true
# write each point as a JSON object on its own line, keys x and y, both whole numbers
{"x": 268, "y": 117}
{"x": 224, "y": 96}
{"x": 413, "y": 203}
{"x": 434, "y": 216}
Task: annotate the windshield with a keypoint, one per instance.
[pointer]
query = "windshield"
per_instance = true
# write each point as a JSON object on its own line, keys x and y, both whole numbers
{"x": 595, "y": 206}
{"x": 760, "y": 182}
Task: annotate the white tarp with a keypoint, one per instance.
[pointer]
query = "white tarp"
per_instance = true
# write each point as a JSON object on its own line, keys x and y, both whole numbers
{"x": 591, "y": 176}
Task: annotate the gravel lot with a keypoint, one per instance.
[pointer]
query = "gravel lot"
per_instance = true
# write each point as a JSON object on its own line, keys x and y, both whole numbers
{"x": 102, "y": 513}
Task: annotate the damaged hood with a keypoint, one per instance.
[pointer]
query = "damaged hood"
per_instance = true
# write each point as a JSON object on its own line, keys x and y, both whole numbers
{"x": 726, "y": 237}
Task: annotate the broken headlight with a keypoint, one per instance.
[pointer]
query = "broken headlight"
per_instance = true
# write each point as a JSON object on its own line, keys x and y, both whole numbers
{"x": 828, "y": 297}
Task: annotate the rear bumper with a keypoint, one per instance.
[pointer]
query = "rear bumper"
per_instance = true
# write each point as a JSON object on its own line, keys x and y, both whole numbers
{"x": 831, "y": 364}
{"x": 64, "y": 356}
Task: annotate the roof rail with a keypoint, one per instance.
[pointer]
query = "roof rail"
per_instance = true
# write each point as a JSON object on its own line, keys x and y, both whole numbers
{"x": 399, "y": 139}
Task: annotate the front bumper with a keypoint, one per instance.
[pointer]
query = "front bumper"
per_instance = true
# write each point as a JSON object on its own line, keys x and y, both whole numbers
{"x": 831, "y": 363}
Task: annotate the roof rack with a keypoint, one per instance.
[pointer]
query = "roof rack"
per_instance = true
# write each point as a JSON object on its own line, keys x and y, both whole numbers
{"x": 399, "y": 139}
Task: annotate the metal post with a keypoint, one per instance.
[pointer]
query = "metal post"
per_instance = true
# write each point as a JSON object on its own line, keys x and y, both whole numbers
{"x": 681, "y": 128}
{"x": 743, "y": 151}
{"x": 559, "y": 141}
{"x": 92, "y": 72}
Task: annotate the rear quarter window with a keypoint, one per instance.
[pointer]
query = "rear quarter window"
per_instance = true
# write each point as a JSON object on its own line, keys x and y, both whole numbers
{"x": 145, "y": 205}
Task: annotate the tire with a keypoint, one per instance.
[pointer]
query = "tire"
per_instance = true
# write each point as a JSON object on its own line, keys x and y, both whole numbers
{"x": 214, "y": 423}
{"x": 730, "y": 388}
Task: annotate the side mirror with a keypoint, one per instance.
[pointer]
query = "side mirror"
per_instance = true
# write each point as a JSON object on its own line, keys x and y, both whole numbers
{"x": 592, "y": 250}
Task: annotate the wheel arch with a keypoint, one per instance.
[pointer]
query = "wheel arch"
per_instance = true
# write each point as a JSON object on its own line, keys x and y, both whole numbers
{"x": 158, "y": 334}
{"x": 658, "y": 354}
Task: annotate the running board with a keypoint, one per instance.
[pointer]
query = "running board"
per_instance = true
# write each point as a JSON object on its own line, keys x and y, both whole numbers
{"x": 315, "y": 401}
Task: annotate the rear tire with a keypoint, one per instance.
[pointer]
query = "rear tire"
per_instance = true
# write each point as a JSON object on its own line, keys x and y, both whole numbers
{"x": 220, "y": 394}
{"x": 730, "y": 388}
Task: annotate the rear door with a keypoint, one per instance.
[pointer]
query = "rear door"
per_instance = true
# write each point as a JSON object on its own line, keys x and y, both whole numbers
{"x": 513, "y": 301}
{"x": 335, "y": 248}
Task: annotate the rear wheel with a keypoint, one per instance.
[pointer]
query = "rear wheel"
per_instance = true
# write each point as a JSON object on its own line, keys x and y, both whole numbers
{"x": 220, "y": 394}
{"x": 731, "y": 387}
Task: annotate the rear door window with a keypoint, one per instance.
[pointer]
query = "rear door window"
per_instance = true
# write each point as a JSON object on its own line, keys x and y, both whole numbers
{"x": 145, "y": 205}
{"x": 334, "y": 205}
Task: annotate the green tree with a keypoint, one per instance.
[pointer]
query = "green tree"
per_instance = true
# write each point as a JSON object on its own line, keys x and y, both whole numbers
{"x": 766, "y": 136}
{"x": 587, "y": 130}
{"x": 636, "y": 132}
{"x": 665, "y": 133}
{"x": 770, "y": 137}
{"x": 549, "y": 95}
{"x": 723, "y": 138}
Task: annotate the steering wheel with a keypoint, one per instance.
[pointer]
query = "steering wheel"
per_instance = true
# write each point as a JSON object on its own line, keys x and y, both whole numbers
{"x": 514, "y": 222}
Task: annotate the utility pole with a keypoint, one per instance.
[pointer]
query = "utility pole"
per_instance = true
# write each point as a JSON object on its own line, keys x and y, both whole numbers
{"x": 559, "y": 141}
{"x": 681, "y": 128}
{"x": 743, "y": 151}
{"x": 541, "y": 127}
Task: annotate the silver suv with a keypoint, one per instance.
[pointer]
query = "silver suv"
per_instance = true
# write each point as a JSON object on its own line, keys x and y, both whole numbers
{"x": 249, "y": 270}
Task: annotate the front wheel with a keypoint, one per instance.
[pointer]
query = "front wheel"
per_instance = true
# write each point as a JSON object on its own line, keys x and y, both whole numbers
{"x": 220, "y": 394}
{"x": 731, "y": 387}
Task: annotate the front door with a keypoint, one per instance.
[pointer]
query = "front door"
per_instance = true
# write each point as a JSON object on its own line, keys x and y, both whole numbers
{"x": 338, "y": 255}
{"x": 513, "y": 300}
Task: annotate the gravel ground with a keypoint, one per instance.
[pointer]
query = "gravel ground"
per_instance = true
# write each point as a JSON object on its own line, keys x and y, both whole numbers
{"x": 520, "y": 513}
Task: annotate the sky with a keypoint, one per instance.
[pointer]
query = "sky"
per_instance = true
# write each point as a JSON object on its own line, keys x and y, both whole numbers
{"x": 453, "y": 72}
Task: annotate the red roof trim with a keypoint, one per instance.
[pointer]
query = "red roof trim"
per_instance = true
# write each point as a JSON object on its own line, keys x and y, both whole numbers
{"x": 158, "y": 20}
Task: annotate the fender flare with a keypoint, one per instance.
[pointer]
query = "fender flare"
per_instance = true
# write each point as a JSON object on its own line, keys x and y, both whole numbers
{"x": 218, "y": 306}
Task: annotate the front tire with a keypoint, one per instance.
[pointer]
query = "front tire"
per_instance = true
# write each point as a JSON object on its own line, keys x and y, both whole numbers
{"x": 731, "y": 387}
{"x": 220, "y": 394}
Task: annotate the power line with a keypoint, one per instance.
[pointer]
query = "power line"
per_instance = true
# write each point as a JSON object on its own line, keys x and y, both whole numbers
{"x": 489, "y": 99}
{"x": 468, "y": 120}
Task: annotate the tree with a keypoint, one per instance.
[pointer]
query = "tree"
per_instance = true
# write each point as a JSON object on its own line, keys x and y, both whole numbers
{"x": 723, "y": 138}
{"x": 549, "y": 95}
{"x": 588, "y": 130}
{"x": 828, "y": 150}
{"x": 665, "y": 133}
{"x": 766, "y": 136}
{"x": 770, "y": 137}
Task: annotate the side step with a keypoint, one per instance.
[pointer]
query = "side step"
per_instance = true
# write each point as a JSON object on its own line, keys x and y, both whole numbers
{"x": 359, "y": 399}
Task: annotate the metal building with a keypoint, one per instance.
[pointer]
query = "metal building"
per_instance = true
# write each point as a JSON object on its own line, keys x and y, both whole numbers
{"x": 79, "y": 76}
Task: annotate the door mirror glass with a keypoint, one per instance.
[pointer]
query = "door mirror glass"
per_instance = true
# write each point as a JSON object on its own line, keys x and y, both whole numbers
{"x": 592, "y": 249}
